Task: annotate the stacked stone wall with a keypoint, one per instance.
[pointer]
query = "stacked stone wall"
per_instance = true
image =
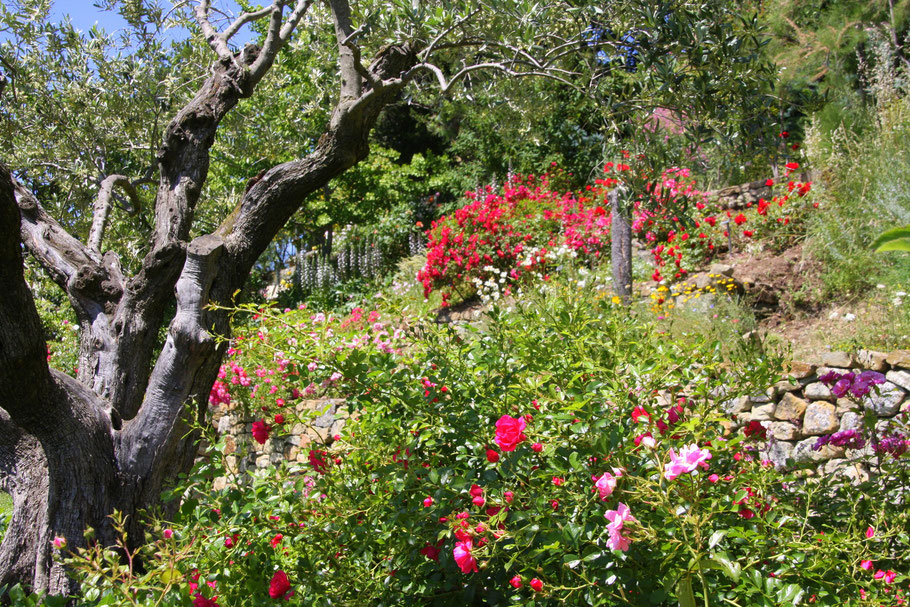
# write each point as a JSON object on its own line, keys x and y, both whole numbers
{"x": 795, "y": 413}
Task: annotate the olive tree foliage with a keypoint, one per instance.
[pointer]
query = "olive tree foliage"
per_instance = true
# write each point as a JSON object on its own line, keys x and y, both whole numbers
{"x": 109, "y": 146}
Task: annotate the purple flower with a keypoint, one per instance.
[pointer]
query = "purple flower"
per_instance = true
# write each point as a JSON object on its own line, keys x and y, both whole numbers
{"x": 846, "y": 438}
{"x": 895, "y": 444}
{"x": 841, "y": 387}
{"x": 830, "y": 378}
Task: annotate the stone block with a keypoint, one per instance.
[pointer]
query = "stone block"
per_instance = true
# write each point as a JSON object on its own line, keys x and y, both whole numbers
{"x": 851, "y": 421}
{"x": 800, "y": 370}
{"x": 872, "y": 360}
{"x": 262, "y": 461}
{"x": 836, "y": 359}
{"x": 783, "y": 431}
{"x": 820, "y": 418}
{"x": 762, "y": 413}
{"x": 899, "y": 358}
{"x": 230, "y": 445}
{"x": 782, "y": 387}
{"x": 900, "y": 378}
{"x": 790, "y": 407}
{"x": 887, "y": 402}
{"x": 778, "y": 452}
{"x": 803, "y": 453}
{"x": 818, "y": 391}
{"x": 738, "y": 405}
{"x": 845, "y": 405}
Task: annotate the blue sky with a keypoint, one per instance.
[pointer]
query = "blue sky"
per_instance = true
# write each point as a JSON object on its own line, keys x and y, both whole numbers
{"x": 84, "y": 14}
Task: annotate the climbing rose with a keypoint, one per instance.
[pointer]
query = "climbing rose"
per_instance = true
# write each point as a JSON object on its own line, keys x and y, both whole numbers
{"x": 427, "y": 502}
{"x": 492, "y": 456}
{"x": 867, "y": 565}
{"x": 516, "y": 582}
{"x": 462, "y": 554}
{"x": 537, "y": 585}
{"x": 537, "y": 447}
{"x": 509, "y": 432}
{"x": 261, "y": 431}
{"x": 870, "y": 532}
{"x": 201, "y": 601}
{"x": 279, "y": 587}
{"x": 168, "y": 534}
{"x": 618, "y": 518}
{"x": 59, "y": 543}
{"x": 605, "y": 485}
{"x": 690, "y": 457}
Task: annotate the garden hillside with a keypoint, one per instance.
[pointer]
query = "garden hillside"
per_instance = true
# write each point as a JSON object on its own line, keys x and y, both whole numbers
{"x": 455, "y": 303}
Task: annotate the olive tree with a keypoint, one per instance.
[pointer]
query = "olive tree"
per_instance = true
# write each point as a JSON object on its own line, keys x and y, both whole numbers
{"x": 78, "y": 448}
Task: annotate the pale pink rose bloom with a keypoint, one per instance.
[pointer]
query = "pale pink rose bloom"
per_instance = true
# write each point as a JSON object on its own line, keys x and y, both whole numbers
{"x": 617, "y": 519}
{"x": 605, "y": 485}
{"x": 690, "y": 457}
{"x": 312, "y": 366}
{"x": 59, "y": 543}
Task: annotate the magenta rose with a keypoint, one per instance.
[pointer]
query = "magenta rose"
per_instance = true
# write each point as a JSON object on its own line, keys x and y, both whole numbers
{"x": 509, "y": 432}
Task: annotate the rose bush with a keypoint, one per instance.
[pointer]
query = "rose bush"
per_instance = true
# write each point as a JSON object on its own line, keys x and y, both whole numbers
{"x": 565, "y": 453}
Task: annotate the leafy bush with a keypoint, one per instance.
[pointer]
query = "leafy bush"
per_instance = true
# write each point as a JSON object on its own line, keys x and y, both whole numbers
{"x": 565, "y": 453}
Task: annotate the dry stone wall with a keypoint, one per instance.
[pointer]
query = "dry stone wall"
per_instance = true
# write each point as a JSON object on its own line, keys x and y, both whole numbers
{"x": 290, "y": 443}
{"x": 795, "y": 413}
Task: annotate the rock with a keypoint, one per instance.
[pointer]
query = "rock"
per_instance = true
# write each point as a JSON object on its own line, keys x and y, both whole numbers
{"x": 783, "y": 387}
{"x": 778, "y": 452}
{"x": 262, "y": 461}
{"x": 721, "y": 268}
{"x": 836, "y": 359}
{"x": 763, "y": 413}
{"x": 225, "y": 423}
{"x": 845, "y": 405}
{"x": 738, "y": 405}
{"x": 760, "y": 398}
{"x": 872, "y": 360}
{"x": 219, "y": 484}
{"x": 854, "y": 472}
{"x": 803, "y": 453}
{"x": 900, "y": 378}
{"x": 887, "y": 402}
{"x": 783, "y": 431}
{"x": 851, "y": 421}
{"x": 899, "y": 358}
{"x": 800, "y": 370}
{"x": 230, "y": 445}
{"x": 790, "y": 407}
{"x": 820, "y": 418}
{"x": 818, "y": 391}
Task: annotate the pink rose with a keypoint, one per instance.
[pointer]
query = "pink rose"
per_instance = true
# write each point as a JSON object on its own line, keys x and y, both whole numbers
{"x": 516, "y": 582}
{"x": 462, "y": 554}
{"x": 168, "y": 534}
{"x": 509, "y": 432}
{"x": 618, "y": 518}
{"x": 605, "y": 485}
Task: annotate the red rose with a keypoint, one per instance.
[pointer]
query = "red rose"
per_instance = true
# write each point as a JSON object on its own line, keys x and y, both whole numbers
{"x": 279, "y": 587}
{"x": 492, "y": 456}
{"x": 509, "y": 432}
{"x": 261, "y": 431}
{"x": 537, "y": 585}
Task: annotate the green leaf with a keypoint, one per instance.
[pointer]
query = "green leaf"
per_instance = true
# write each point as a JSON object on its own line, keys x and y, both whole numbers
{"x": 897, "y": 239}
{"x": 684, "y": 593}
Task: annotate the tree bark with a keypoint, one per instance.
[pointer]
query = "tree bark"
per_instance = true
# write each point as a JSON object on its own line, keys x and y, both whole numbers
{"x": 620, "y": 249}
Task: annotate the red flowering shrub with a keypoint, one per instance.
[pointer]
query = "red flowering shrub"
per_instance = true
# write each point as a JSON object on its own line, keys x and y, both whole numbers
{"x": 503, "y": 236}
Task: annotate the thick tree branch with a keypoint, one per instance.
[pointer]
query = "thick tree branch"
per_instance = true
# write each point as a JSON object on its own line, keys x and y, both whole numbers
{"x": 67, "y": 261}
{"x": 187, "y": 347}
{"x": 348, "y": 62}
{"x": 103, "y": 204}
